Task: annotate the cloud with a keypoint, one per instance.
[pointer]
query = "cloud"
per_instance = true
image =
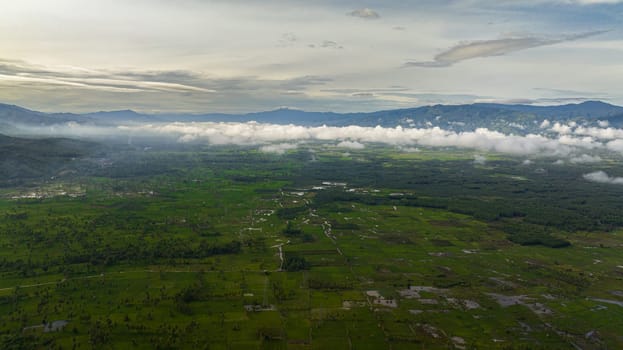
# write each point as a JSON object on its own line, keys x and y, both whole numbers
{"x": 581, "y": 142}
{"x": 585, "y": 158}
{"x": 410, "y": 149}
{"x": 156, "y": 91}
{"x": 479, "y": 159}
{"x": 403, "y": 94}
{"x": 278, "y": 138}
{"x": 290, "y": 39}
{"x": 600, "y": 133}
{"x": 615, "y": 145}
{"x": 365, "y": 13}
{"x": 566, "y": 92}
{"x": 20, "y": 73}
{"x": 562, "y": 128}
{"x": 351, "y": 145}
{"x": 602, "y": 177}
{"x": 329, "y": 44}
{"x": 498, "y": 47}
{"x": 570, "y": 133}
{"x": 595, "y": 2}
{"x": 559, "y": 2}
{"x": 266, "y": 44}
{"x": 545, "y": 124}
{"x": 392, "y": 89}
{"x": 287, "y": 39}
{"x": 253, "y": 133}
{"x": 280, "y": 148}
{"x": 571, "y": 142}
{"x": 538, "y": 101}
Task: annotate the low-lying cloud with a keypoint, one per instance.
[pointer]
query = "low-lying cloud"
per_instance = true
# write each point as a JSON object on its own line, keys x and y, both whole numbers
{"x": 279, "y": 148}
{"x": 600, "y": 133}
{"x": 277, "y": 138}
{"x": 351, "y": 145}
{"x": 479, "y": 159}
{"x": 612, "y": 138}
{"x": 603, "y": 177}
{"x": 585, "y": 158}
{"x": 253, "y": 133}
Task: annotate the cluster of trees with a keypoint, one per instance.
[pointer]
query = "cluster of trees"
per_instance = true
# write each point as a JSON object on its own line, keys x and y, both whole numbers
{"x": 289, "y": 213}
{"x": 296, "y": 232}
{"x": 167, "y": 248}
{"x": 531, "y": 234}
{"x": 195, "y": 292}
{"x": 323, "y": 284}
{"x": 295, "y": 263}
{"x": 292, "y": 231}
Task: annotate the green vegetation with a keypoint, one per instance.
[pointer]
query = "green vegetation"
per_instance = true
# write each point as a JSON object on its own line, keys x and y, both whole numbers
{"x": 231, "y": 248}
{"x": 24, "y": 159}
{"x": 295, "y": 263}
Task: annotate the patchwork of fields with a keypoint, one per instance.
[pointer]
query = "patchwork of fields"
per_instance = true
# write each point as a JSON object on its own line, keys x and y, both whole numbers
{"x": 230, "y": 248}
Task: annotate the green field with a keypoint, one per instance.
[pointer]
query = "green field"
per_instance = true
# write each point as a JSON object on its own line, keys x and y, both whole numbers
{"x": 230, "y": 248}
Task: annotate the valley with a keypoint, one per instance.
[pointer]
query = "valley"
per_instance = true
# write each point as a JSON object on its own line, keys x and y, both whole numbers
{"x": 374, "y": 248}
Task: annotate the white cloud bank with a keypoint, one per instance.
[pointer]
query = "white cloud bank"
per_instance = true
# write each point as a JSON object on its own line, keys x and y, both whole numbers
{"x": 253, "y": 133}
{"x": 603, "y": 132}
{"x": 569, "y": 146}
{"x": 611, "y": 138}
{"x": 602, "y": 177}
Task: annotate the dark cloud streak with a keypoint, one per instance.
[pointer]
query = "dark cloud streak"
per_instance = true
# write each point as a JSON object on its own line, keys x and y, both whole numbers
{"x": 498, "y": 47}
{"x": 365, "y": 13}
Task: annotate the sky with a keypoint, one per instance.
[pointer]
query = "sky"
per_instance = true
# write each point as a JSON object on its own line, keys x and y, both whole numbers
{"x": 238, "y": 56}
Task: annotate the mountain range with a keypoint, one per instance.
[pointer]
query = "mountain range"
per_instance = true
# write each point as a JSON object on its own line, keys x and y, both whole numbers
{"x": 502, "y": 117}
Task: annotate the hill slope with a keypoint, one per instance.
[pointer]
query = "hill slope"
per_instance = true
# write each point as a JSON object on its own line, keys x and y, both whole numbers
{"x": 22, "y": 158}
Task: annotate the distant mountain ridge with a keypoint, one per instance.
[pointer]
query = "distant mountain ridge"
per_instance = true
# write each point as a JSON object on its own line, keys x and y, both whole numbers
{"x": 588, "y": 109}
{"x": 502, "y": 117}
